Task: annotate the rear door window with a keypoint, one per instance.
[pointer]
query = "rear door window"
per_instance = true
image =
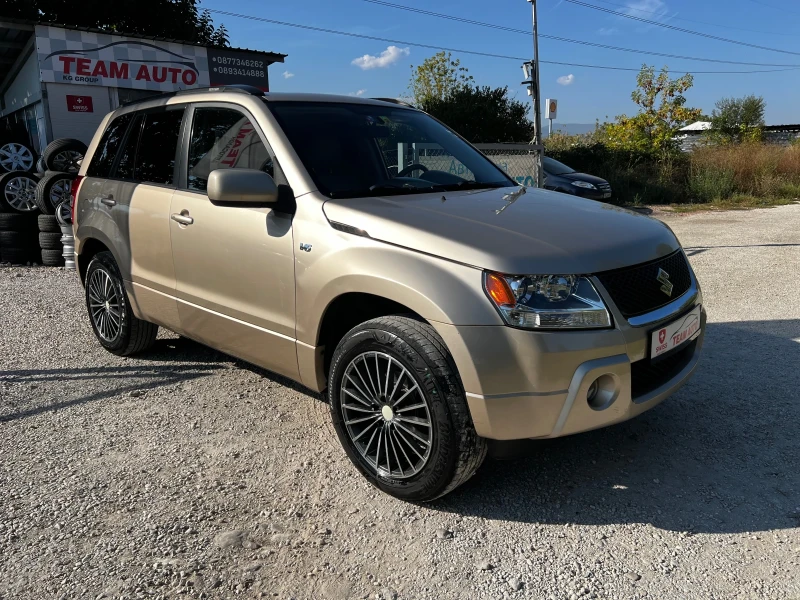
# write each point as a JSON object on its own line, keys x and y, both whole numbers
{"x": 127, "y": 156}
{"x": 107, "y": 149}
{"x": 224, "y": 138}
{"x": 158, "y": 146}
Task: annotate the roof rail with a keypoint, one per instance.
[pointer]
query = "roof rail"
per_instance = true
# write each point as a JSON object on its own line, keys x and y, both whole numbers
{"x": 239, "y": 88}
{"x": 393, "y": 101}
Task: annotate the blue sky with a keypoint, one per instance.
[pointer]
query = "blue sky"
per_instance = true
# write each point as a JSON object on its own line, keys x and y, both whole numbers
{"x": 322, "y": 62}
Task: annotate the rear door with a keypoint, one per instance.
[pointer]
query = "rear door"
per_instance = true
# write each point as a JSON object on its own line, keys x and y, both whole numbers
{"x": 234, "y": 264}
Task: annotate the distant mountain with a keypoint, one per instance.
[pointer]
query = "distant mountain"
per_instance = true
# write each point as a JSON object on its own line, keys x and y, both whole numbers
{"x": 568, "y": 128}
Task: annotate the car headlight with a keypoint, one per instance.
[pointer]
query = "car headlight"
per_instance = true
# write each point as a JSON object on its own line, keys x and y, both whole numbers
{"x": 547, "y": 301}
{"x": 584, "y": 184}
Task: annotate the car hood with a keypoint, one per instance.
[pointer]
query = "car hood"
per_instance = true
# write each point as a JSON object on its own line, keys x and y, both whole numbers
{"x": 584, "y": 177}
{"x": 540, "y": 232}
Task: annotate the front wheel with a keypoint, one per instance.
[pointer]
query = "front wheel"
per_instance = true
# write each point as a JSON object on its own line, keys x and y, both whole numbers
{"x": 399, "y": 409}
{"x": 113, "y": 321}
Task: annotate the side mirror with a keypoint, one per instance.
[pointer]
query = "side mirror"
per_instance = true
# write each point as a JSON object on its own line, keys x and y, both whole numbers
{"x": 241, "y": 186}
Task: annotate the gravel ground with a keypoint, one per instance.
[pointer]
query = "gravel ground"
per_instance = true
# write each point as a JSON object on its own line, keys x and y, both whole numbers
{"x": 185, "y": 472}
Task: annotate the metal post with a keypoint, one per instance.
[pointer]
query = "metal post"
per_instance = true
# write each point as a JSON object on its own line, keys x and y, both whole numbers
{"x": 537, "y": 102}
{"x": 550, "y": 129}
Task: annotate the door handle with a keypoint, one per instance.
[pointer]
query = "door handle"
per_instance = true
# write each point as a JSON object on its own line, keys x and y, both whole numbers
{"x": 108, "y": 200}
{"x": 183, "y": 219}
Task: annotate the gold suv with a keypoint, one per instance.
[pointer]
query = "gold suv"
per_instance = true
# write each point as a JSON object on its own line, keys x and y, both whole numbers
{"x": 364, "y": 249}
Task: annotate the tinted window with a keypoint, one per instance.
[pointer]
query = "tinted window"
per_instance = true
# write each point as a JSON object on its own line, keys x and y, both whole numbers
{"x": 107, "y": 149}
{"x": 554, "y": 167}
{"x": 223, "y": 138}
{"x": 127, "y": 155}
{"x": 158, "y": 144}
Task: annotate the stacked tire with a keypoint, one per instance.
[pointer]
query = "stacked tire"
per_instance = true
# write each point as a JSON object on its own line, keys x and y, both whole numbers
{"x": 18, "y": 238}
{"x": 24, "y": 194}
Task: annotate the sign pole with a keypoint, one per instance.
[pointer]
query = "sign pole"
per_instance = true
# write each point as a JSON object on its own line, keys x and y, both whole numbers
{"x": 537, "y": 99}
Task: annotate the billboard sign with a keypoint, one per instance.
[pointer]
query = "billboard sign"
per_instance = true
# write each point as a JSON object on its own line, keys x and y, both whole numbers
{"x": 228, "y": 67}
{"x": 551, "y": 109}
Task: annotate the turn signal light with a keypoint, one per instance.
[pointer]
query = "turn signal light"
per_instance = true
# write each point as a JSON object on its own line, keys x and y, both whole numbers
{"x": 499, "y": 291}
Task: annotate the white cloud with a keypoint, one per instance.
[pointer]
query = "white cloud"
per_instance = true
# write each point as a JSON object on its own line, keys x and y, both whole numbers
{"x": 358, "y": 93}
{"x": 655, "y": 10}
{"x": 287, "y": 75}
{"x": 608, "y": 31}
{"x": 566, "y": 79}
{"x": 388, "y": 57}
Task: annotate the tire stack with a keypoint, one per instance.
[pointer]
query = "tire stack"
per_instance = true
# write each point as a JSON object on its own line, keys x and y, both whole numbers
{"x": 47, "y": 191}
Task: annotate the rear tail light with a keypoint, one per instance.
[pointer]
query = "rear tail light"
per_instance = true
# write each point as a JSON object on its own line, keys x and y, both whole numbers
{"x": 73, "y": 196}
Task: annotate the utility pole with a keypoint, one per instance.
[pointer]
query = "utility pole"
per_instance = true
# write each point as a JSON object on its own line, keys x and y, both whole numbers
{"x": 535, "y": 93}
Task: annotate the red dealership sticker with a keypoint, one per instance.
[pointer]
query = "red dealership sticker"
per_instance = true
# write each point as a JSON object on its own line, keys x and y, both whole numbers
{"x": 81, "y": 104}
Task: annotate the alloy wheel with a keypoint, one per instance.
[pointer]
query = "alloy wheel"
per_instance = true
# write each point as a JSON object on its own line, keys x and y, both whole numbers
{"x": 20, "y": 193}
{"x": 67, "y": 161}
{"x": 16, "y": 157}
{"x": 104, "y": 305}
{"x": 60, "y": 191}
{"x": 386, "y": 415}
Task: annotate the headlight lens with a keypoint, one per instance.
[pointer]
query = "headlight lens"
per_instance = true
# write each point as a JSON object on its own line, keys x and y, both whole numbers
{"x": 547, "y": 301}
{"x": 584, "y": 184}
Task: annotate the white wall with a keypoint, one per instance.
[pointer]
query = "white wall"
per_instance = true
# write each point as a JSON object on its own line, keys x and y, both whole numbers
{"x": 80, "y": 126}
{"x": 25, "y": 89}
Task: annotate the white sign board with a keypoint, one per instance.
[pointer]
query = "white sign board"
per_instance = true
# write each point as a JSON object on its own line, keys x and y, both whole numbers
{"x": 82, "y": 57}
{"x": 551, "y": 109}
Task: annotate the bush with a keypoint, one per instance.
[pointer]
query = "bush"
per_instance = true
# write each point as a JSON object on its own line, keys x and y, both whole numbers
{"x": 709, "y": 174}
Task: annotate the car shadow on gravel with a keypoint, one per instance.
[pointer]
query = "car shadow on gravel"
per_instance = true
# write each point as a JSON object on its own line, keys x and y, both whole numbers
{"x": 720, "y": 456}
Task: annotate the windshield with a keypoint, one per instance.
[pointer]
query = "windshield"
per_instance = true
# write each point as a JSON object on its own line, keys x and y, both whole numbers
{"x": 554, "y": 167}
{"x": 355, "y": 150}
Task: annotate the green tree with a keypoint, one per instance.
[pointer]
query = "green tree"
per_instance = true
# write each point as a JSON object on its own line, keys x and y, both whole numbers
{"x": 482, "y": 114}
{"x": 736, "y": 120}
{"x": 437, "y": 77}
{"x": 662, "y": 111}
{"x": 175, "y": 19}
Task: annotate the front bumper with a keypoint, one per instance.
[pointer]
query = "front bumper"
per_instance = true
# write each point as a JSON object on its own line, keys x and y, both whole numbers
{"x": 525, "y": 384}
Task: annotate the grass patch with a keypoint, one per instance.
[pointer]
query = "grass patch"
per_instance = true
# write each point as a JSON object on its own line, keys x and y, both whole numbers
{"x": 736, "y": 202}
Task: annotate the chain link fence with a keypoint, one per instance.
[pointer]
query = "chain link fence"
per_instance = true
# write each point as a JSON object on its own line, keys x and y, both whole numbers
{"x": 517, "y": 160}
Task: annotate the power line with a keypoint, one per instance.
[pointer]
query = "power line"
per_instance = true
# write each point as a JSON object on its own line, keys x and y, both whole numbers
{"x": 794, "y": 12}
{"x": 675, "y": 18}
{"x": 681, "y": 29}
{"x": 569, "y": 40}
{"x": 462, "y": 51}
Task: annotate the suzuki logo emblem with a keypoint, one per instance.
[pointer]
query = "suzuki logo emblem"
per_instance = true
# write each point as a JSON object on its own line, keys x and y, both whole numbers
{"x": 666, "y": 284}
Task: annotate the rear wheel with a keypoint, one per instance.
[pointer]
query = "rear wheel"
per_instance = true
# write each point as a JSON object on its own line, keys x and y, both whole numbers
{"x": 113, "y": 321}
{"x": 399, "y": 409}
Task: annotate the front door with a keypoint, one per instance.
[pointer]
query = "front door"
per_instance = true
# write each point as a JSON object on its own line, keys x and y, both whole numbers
{"x": 234, "y": 265}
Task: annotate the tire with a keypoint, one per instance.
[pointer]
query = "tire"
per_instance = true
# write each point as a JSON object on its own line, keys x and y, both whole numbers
{"x": 52, "y": 258}
{"x": 50, "y": 241}
{"x": 448, "y": 451}
{"x": 16, "y": 157}
{"x": 17, "y": 222}
{"x": 41, "y": 168}
{"x": 129, "y": 335}
{"x": 52, "y": 190}
{"x": 25, "y": 240}
{"x": 48, "y": 224}
{"x": 64, "y": 155}
{"x": 18, "y": 192}
{"x": 19, "y": 256}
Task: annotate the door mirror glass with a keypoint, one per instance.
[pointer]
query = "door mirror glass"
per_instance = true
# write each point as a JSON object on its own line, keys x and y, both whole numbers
{"x": 241, "y": 186}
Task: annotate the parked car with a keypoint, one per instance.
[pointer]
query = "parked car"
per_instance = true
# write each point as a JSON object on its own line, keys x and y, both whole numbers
{"x": 435, "y": 311}
{"x": 561, "y": 178}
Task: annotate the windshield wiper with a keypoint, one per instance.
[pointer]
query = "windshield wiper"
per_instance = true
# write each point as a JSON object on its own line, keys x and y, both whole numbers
{"x": 473, "y": 185}
{"x": 387, "y": 189}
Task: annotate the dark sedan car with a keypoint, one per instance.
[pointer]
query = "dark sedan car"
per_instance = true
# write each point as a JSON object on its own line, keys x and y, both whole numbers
{"x": 561, "y": 178}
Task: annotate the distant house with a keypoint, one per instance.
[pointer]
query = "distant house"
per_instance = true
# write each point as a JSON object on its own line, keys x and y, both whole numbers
{"x": 692, "y": 135}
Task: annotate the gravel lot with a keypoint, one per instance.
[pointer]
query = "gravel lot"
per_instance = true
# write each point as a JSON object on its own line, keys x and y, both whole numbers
{"x": 185, "y": 472}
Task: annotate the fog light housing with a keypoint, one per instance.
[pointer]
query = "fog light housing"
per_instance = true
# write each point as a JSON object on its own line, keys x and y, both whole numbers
{"x": 591, "y": 393}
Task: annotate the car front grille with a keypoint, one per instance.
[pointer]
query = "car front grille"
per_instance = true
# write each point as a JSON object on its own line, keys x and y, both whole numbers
{"x": 647, "y": 375}
{"x": 605, "y": 186}
{"x": 637, "y": 290}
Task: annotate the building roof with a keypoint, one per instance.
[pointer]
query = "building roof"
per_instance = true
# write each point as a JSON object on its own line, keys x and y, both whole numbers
{"x": 697, "y": 126}
{"x": 16, "y": 38}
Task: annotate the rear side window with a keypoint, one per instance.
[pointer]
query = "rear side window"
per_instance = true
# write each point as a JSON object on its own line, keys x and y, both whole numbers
{"x": 223, "y": 138}
{"x": 103, "y": 159}
{"x": 127, "y": 155}
{"x": 158, "y": 144}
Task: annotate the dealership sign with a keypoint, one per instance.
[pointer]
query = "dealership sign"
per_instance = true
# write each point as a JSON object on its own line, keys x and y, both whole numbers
{"x": 81, "y": 104}
{"x": 87, "y": 58}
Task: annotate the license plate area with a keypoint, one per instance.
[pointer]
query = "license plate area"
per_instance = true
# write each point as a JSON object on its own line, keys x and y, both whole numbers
{"x": 673, "y": 336}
